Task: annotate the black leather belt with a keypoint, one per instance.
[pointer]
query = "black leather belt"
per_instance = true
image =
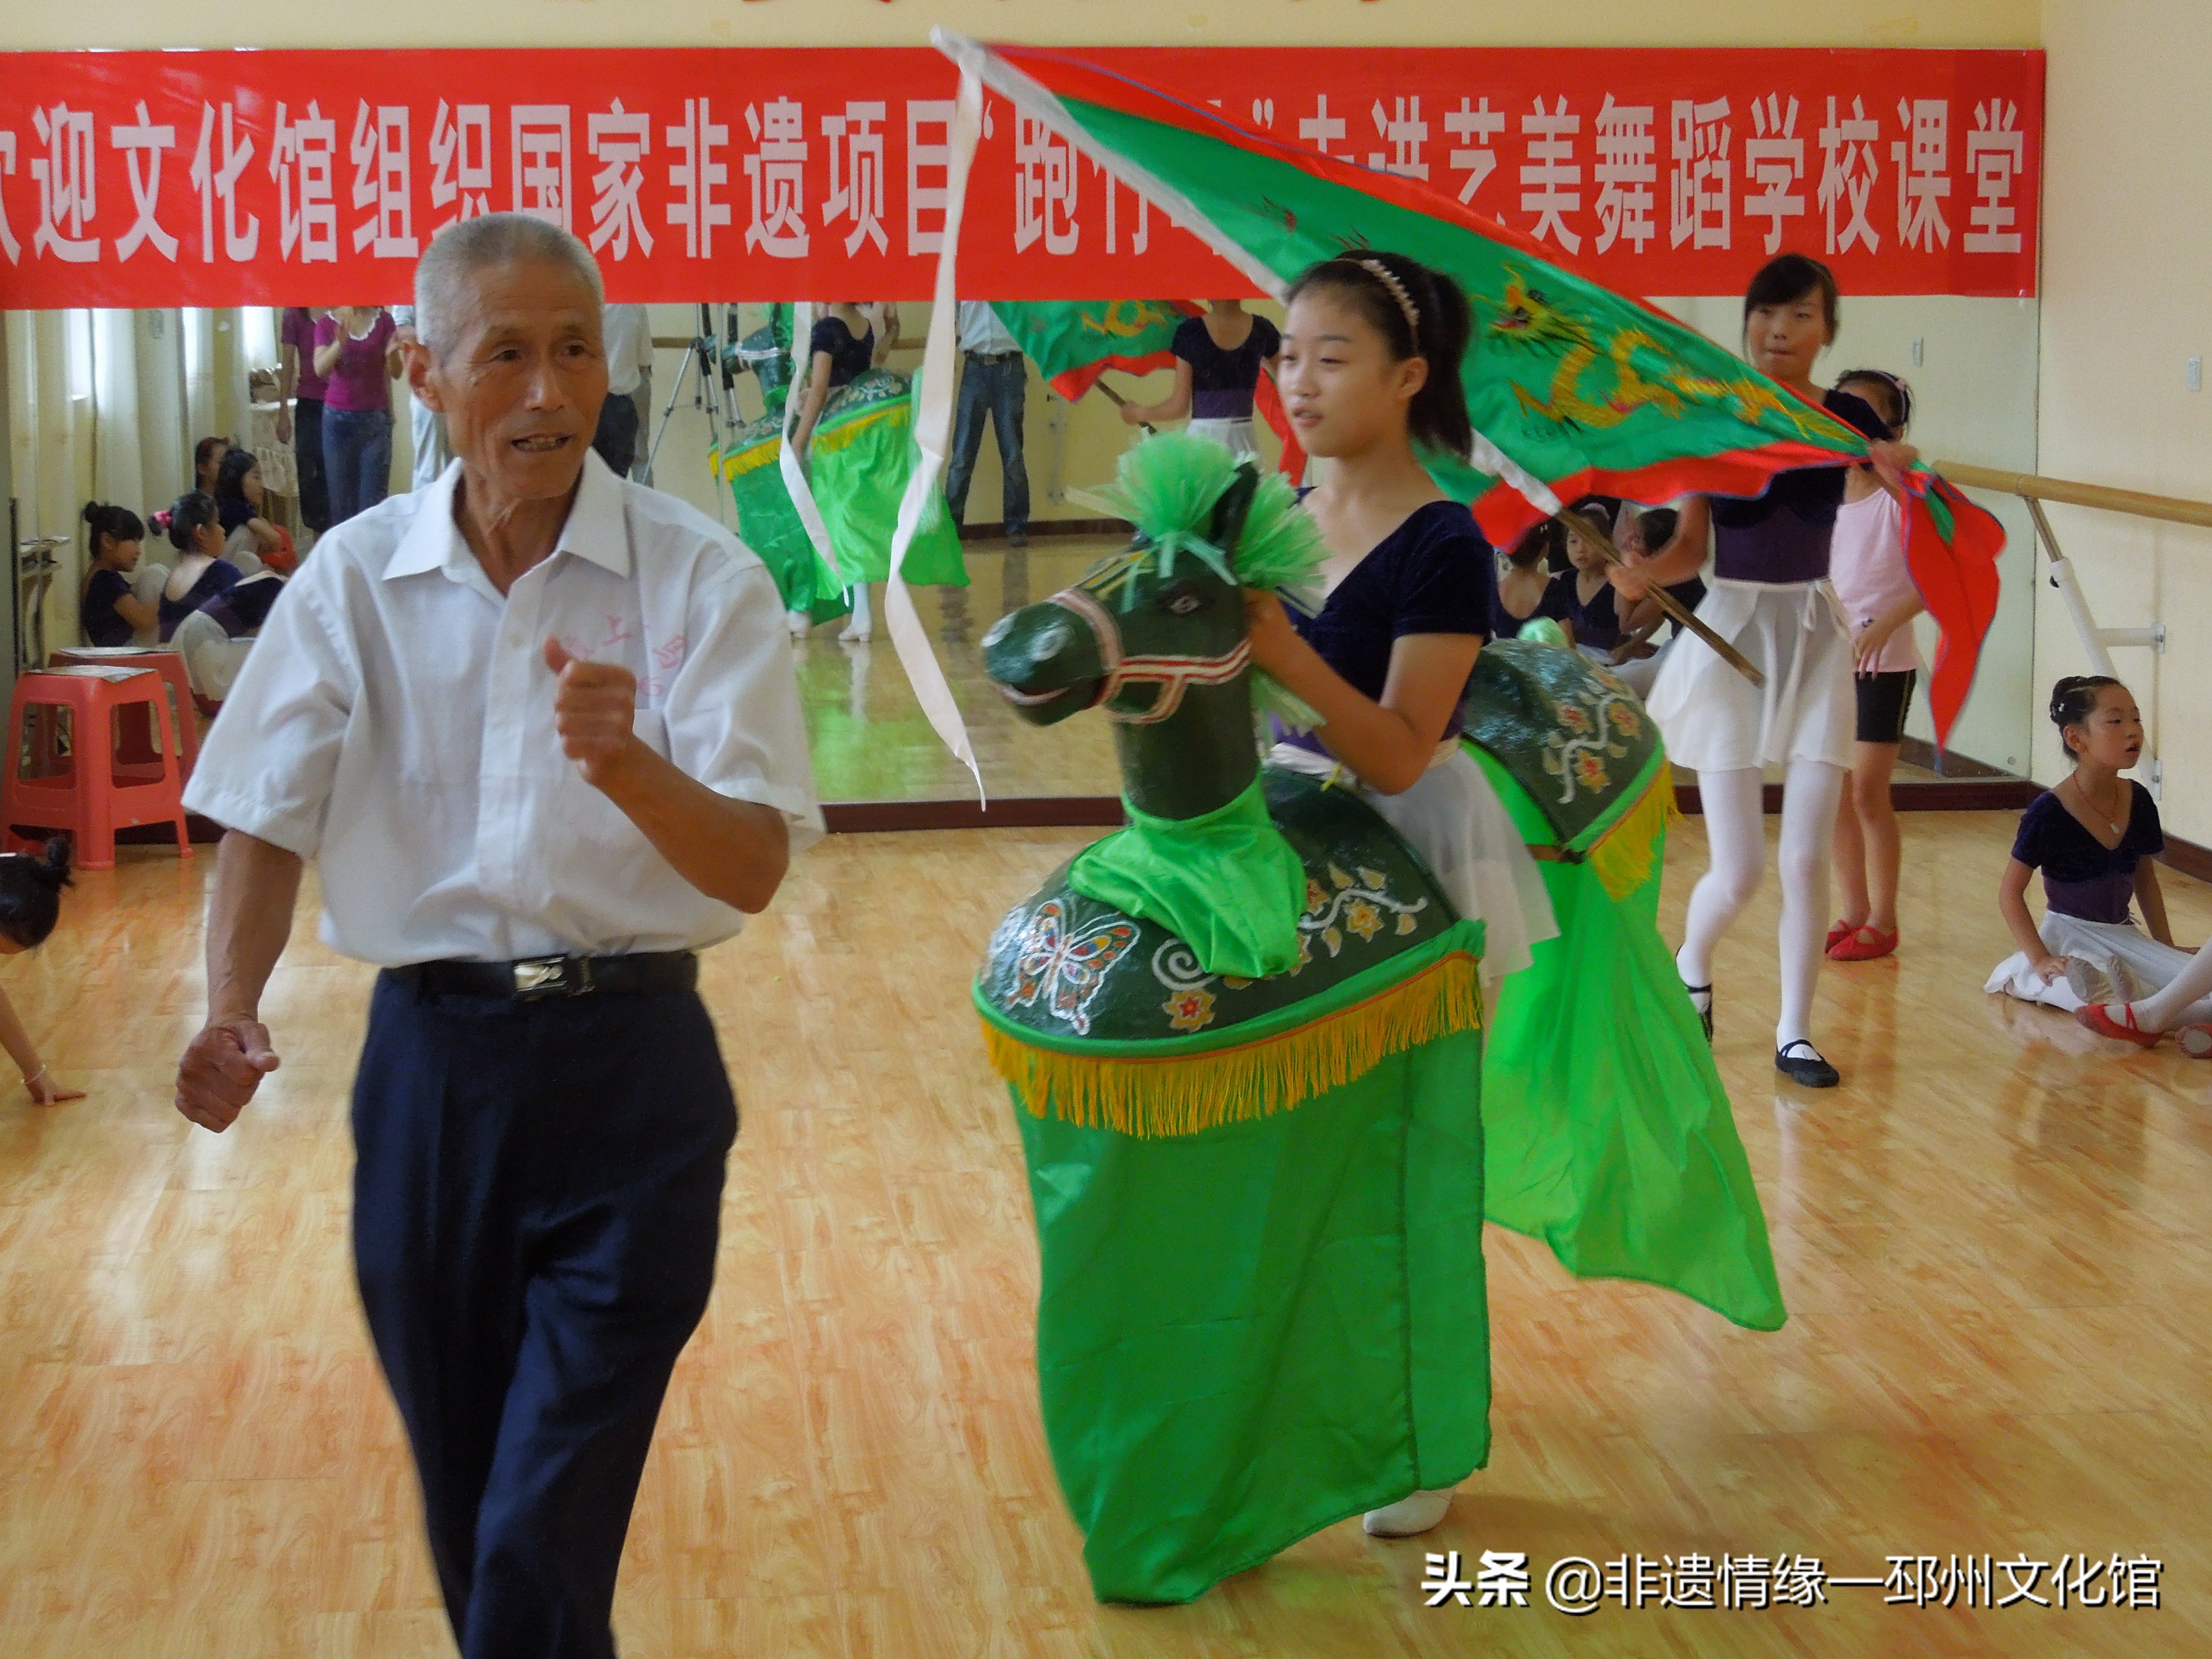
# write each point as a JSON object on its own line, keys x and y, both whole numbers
{"x": 995, "y": 356}
{"x": 534, "y": 979}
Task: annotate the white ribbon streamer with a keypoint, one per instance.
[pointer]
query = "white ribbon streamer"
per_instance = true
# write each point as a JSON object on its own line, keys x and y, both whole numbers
{"x": 794, "y": 475}
{"x": 933, "y": 431}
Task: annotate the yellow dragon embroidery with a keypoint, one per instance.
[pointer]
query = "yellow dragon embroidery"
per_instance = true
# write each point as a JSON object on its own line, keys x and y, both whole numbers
{"x": 1525, "y": 318}
{"x": 1124, "y": 319}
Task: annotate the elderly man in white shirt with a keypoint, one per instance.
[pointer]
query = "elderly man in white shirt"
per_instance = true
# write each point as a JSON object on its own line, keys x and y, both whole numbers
{"x": 539, "y": 728}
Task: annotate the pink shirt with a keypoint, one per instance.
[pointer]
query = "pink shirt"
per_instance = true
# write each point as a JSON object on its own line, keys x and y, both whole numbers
{"x": 300, "y": 334}
{"x": 357, "y": 381}
{"x": 1866, "y": 563}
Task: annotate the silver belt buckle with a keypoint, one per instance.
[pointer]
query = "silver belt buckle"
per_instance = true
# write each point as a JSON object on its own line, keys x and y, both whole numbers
{"x": 536, "y": 978}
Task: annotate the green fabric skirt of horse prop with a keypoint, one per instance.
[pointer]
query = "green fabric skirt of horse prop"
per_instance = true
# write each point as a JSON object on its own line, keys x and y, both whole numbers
{"x": 1244, "y": 1037}
{"x": 861, "y": 455}
{"x": 1606, "y": 1130}
{"x": 751, "y": 464}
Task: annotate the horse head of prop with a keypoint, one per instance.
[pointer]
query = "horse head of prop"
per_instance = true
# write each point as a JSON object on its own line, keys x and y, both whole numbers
{"x": 1154, "y": 634}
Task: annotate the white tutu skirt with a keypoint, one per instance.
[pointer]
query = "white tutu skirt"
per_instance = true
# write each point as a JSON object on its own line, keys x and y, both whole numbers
{"x": 1453, "y": 819}
{"x": 2103, "y": 943}
{"x": 1714, "y": 720}
{"x": 1241, "y": 436}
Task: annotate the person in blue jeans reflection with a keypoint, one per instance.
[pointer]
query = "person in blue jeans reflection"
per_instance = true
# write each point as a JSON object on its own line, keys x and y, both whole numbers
{"x": 358, "y": 360}
{"x": 994, "y": 380}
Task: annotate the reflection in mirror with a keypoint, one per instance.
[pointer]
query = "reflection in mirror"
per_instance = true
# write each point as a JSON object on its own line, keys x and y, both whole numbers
{"x": 107, "y": 406}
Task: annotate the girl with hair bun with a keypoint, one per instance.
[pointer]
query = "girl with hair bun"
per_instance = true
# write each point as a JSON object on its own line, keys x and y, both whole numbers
{"x": 30, "y": 904}
{"x": 111, "y": 612}
{"x": 195, "y": 532}
{"x": 2094, "y": 838}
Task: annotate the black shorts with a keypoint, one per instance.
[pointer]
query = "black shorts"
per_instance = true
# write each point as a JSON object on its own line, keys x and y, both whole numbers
{"x": 1883, "y": 701}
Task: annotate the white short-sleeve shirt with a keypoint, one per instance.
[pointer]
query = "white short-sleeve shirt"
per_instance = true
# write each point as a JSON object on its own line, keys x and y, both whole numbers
{"x": 626, "y": 335}
{"x": 394, "y": 722}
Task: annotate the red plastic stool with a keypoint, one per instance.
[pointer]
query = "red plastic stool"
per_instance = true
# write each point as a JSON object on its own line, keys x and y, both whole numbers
{"x": 89, "y": 792}
{"x": 136, "y": 724}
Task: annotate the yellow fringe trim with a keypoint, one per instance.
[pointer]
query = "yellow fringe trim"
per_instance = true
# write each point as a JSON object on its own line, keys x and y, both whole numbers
{"x": 1186, "y": 1094}
{"x": 847, "y": 433}
{"x": 1626, "y": 855}
{"x": 739, "y": 462}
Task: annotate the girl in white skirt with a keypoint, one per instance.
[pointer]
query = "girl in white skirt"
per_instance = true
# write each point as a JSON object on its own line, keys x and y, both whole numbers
{"x": 1772, "y": 599}
{"x": 1371, "y": 349}
{"x": 2094, "y": 837}
{"x": 1219, "y": 358}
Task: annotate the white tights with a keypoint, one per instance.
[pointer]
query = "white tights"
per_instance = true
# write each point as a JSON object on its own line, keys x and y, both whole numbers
{"x": 2171, "y": 1006}
{"x": 1737, "y": 839}
{"x": 864, "y": 620}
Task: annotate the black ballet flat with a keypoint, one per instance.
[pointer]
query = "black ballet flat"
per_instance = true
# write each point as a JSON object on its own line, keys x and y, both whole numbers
{"x": 1705, "y": 1013}
{"x": 1807, "y": 1069}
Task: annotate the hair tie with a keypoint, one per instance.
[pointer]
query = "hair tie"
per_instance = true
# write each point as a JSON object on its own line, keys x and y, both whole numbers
{"x": 1383, "y": 274}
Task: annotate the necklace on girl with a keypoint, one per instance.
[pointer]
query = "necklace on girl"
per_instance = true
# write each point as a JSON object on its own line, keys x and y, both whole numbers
{"x": 2118, "y": 795}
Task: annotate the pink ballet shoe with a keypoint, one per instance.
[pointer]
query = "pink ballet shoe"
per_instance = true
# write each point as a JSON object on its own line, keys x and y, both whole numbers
{"x": 2099, "y": 1018}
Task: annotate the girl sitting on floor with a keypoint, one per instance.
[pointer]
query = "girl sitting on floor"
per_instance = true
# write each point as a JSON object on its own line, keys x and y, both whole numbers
{"x": 1592, "y": 623}
{"x": 111, "y": 610}
{"x": 1637, "y": 532}
{"x": 1529, "y": 586}
{"x": 195, "y": 532}
{"x": 2094, "y": 837}
{"x": 30, "y": 904}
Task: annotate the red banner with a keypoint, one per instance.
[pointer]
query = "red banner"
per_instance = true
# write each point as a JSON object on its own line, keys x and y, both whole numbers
{"x": 234, "y": 177}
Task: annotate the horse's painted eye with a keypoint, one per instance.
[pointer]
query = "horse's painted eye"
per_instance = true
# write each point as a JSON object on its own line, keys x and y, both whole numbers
{"x": 1181, "y": 599}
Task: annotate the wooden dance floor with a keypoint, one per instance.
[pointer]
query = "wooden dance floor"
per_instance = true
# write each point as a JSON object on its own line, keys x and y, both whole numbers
{"x": 1992, "y": 1239}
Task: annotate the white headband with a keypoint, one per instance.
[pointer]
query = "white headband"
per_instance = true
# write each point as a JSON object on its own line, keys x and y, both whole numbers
{"x": 1382, "y": 273}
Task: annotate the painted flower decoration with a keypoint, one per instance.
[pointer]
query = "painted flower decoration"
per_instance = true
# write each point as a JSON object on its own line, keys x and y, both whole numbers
{"x": 1363, "y": 918}
{"x": 1315, "y": 897}
{"x": 1624, "y": 719}
{"x": 1190, "y": 1010}
{"x": 1573, "y": 718}
{"x": 1590, "y": 770}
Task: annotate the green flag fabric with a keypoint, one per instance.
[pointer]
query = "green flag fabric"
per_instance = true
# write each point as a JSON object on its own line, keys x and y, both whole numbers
{"x": 767, "y": 523}
{"x": 1073, "y": 342}
{"x": 1574, "y": 389}
{"x": 862, "y": 453}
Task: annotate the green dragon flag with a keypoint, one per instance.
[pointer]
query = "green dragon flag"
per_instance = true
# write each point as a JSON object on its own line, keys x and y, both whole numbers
{"x": 1073, "y": 343}
{"x": 1575, "y": 390}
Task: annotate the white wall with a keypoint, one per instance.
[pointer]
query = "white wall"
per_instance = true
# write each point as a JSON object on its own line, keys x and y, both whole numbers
{"x": 2126, "y": 303}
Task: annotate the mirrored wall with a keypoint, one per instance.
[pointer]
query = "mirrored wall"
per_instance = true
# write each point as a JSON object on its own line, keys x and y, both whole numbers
{"x": 108, "y": 404}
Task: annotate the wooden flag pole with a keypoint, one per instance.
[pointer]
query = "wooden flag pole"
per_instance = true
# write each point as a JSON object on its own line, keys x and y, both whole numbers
{"x": 1119, "y": 401}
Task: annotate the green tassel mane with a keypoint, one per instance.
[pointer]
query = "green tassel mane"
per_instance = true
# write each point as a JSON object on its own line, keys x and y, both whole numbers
{"x": 1169, "y": 488}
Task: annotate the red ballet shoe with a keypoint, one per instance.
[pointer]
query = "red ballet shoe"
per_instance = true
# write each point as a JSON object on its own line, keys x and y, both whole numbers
{"x": 2094, "y": 1016}
{"x": 1863, "y": 944}
{"x": 1836, "y": 935}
